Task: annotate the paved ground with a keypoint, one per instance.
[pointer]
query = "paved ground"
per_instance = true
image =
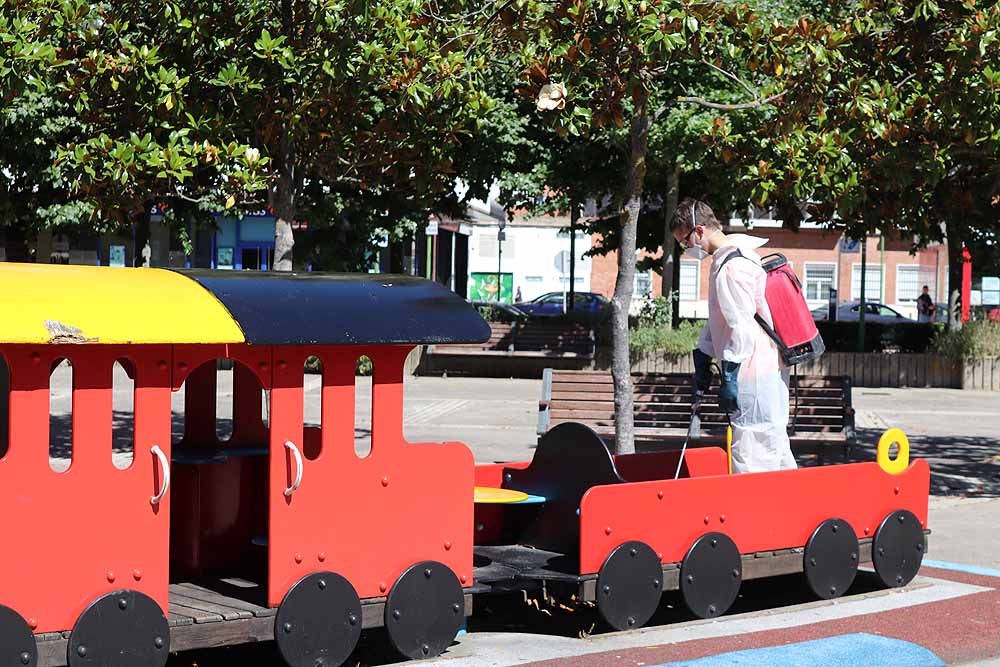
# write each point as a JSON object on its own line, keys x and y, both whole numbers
{"x": 946, "y": 615}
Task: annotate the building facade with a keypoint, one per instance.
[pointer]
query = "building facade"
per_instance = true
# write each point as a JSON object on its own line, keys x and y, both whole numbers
{"x": 822, "y": 260}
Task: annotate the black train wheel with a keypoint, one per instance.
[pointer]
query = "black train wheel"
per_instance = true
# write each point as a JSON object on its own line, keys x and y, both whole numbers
{"x": 125, "y": 629}
{"x": 319, "y": 621}
{"x": 629, "y": 585}
{"x": 424, "y": 610}
{"x": 17, "y": 642}
{"x": 898, "y": 548}
{"x": 830, "y": 560}
{"x": 711, "y": 573}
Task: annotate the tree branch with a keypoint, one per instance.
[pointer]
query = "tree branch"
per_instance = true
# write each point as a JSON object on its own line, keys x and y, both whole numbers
{"x": 729, "y": 107}
{"x": 733, "y": 77}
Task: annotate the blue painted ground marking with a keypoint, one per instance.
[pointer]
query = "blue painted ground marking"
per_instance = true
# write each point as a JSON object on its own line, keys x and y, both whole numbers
{"x": 961, "y": 567}
{"x": 842, "y": 651}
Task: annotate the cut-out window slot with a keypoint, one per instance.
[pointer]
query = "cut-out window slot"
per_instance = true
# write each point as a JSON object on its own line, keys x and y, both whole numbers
{"x": 224, "y": 400}
{"x": 123, "y": 414}
{"x": 312, "y": 407}
{"x": 4, "y": 406}
{"x": 61, "y": 415}
{"x": 177, "y": 415}
{"x": 363, "y": 385}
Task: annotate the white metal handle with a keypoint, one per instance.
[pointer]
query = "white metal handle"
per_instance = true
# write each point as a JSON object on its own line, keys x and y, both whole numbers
{"x": 298, "y": 467}
{"x": 165, "y": 465}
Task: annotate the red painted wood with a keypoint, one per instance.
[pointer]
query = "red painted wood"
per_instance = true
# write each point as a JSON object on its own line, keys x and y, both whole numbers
{"x": 71, "y": 537}
{"x": 759, "y": 511}
{"x": 219, "y": 507}
{"x": 366, "y": 519}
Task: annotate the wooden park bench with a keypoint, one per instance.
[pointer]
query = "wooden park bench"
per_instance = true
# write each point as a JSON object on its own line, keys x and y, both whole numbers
{"x": 516, "y": 348}
{"x": 823, "y": 418}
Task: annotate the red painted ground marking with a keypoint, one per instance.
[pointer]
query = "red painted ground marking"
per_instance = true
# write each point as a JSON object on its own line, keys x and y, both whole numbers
{"x": 956, "y": 630}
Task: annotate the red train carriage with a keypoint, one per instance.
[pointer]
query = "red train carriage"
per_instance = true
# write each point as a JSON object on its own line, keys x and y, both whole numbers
{"x": 618, "y": 530}
{"x": 282, "y": 529}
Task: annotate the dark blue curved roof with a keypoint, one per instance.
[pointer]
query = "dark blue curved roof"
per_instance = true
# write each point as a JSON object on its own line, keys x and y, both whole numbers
{"x": 289, "y": 308}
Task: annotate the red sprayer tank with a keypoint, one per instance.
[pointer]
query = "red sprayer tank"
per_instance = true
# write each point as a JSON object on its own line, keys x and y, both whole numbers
{"x": 794, "y": 328}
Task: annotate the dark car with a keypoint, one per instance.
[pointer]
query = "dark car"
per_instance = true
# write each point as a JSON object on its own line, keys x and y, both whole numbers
{"x": 553, "y": 303}
{"x": 874, "y": 312}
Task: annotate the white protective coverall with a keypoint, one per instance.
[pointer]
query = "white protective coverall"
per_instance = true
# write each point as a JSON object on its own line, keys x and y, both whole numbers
{"x": 760, "y": 439}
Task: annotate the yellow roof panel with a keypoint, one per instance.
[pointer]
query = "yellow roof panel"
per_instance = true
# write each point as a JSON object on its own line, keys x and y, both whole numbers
{"x": 52, "y": 303}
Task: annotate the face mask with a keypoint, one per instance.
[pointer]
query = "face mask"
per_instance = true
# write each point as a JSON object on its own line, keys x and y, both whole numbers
{"x": 697, "y": 252}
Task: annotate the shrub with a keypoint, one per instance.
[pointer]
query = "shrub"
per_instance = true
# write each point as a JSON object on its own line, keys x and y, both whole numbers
{"x": 976, "y": 339}
{"x": 660, "y": 338}
{"x": 364, "y": 365}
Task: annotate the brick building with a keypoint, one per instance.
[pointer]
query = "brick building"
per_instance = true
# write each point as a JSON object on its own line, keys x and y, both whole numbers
{"x": 821, "y": 258}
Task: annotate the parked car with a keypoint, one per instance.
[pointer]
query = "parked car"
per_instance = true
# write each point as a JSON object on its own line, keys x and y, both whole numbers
{"x": 551, "y": 303}
{"x": 874, "y": 312}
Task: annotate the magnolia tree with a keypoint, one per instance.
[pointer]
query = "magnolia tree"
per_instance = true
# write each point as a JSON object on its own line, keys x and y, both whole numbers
{"x": 892, "y": 126}
{"x": 591, "y": 63}
{"x": 249, "y": 104}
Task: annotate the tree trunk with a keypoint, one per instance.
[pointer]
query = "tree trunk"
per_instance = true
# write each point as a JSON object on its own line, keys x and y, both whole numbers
{"x": 667, "y": 271}
{"x": 631, "y": 202}
{"x": 283, "y": 201}
{"x": 284, "y": 191}
{"x": 955, "y": 241}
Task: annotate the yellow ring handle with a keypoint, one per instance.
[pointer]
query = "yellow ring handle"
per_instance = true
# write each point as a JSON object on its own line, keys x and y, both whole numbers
{"x": 902, "y": 460}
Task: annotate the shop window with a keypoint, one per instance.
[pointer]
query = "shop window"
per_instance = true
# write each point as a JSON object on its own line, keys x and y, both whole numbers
{"x": 908, "y": 285}
{"x": 61, "y": 415}
{"x": 873, "y": 282}
{"x": 123, "y": 413}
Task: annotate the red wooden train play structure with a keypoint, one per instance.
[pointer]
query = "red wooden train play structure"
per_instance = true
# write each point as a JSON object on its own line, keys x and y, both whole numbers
{"x": 283, "y": 531}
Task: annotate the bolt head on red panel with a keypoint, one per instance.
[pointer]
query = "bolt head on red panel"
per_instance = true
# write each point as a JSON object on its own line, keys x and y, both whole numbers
{"x": 722, "y": 519}
{"x": 111, "y": 576}
{"x": 162, "y": 365}
{"x": 35, "y": 358}
{"x": 298, "y": 558}
{"x": 33, "y": 623}
{"x": 321, "y": 556}
{"x": 385, "y": 481}
{"x": 659, "y": 495}
{"x": 447, "y": 546}
{"x": 607, "y": 531}
{"x": 382, "y": 586}
{"x": 463, "y": 578}
{"x": 707, "y": 519}
{"x": 137, "y": 575}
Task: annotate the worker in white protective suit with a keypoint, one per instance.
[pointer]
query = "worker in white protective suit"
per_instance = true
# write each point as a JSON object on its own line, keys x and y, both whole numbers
{"x": 754, "y": 389}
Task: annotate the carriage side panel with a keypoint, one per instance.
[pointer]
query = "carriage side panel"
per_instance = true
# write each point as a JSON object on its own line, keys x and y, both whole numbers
{"x": 759, "y": 511}
{"x": 368, "y": 518}
{"x": 76, "y": 535}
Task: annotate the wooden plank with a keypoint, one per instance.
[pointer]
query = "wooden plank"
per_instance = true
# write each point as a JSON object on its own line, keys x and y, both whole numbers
{"x": 198, "y": 615}
{"x": 227, "y": 612}
{"x": 207, "y": 594}
{"x": 228, "y": 633}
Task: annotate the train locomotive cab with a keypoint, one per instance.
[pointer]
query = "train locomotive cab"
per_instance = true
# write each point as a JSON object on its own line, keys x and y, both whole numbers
{"x": 271, "y": 524}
